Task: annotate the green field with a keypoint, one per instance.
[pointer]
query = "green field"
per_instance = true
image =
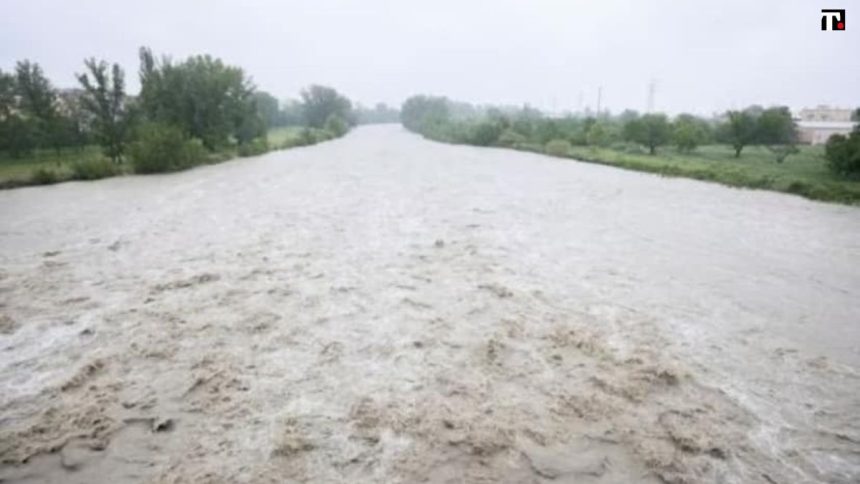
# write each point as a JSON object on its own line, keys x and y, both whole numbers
{"x": 16, "y": 172}
{"x": 284, "y": 136}
{"x": 19, "y": 171}
{"x": 805, "y": 173}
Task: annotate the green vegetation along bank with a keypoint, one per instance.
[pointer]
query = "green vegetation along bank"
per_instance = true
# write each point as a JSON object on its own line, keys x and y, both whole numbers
{"x": 753, "y": 148}
{"x": 187, "y": 113}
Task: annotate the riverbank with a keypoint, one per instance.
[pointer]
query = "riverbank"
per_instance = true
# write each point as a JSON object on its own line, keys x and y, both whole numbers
{"x": 804, "y": 173}
{"x": 47, "y": 167}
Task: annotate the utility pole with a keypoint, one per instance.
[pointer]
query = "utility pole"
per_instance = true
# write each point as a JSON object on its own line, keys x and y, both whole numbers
{"x": 652, "y": 88}
{"x": 599, "y": 95}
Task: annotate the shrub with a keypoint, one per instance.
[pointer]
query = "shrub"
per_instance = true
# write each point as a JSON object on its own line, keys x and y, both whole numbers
{"x": 162, "y": 148}
{"x": 597, "y": 135}
{"x": 843, "y": 154}
{"x": 195, "y": 153}
{"x": 255, "y": 147}
{"x": 511, "y": 138}
{"x": 558, "y": 147}
{"x": 94, "y": 169}
{"x": 336, "y": 125}
{"x": 689, "y": 132}
{"x": 485, "y": 133}
{"x": 44, "y": 176}
{"x": 291, "y": 142}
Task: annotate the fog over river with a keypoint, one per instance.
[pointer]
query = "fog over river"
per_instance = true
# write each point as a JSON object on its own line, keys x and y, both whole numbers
{"x": 381, "y": 308}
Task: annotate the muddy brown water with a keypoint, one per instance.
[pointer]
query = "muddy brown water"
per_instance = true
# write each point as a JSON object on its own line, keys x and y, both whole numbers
{"x": 382, "y": 308}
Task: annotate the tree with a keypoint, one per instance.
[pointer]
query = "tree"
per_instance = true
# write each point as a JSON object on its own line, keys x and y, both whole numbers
{"x": 104, "y": 97}
{"x": 628, "y": 115}
{"x": 19, "y": 136}
{"x": 545, "y": 130}
{"x": 19, "y": 132}
{"x": 249, "y": 125}
{"x": 320, "y": 102}
{"x": 843, "y": 154}
{"x": 485, "y": 132}
{"x": 268, "y": 108}
{"x": 651, "y": 130}
{"x": 37, "y": 96}
{"x": 36, "y": 101}
{"x": 291, "y": 113}
{"x": 688, "y": 132}
{"x": 777, "y": 131}
{"x": 597, "y": 134}
{"x": 524, "y": 120}
{"x": 78, "y": 121}
{"x": 204, "y": 97}
{"x": 739, "y": 129}
{"x": 7, "y": 95}
{"x": 381, "y": 113}
{"x": 420, "y": 112}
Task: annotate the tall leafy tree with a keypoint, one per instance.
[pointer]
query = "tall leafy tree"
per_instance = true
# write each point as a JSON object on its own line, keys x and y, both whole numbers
{"x": 105, "y": 98}
{"x": 37, "y": 96}
{"x": 598, "y": 134}
{"x": 321, "y": 102}
{"x": 202, "y": 96}
{"x": 739, "y": 129}
{"x": 268, "y": 108}
{"x": 37, "y": 101}
{"x": 291, "y": 113}
{"x": 688, "y": 132}
{"x": 17, "y": 133}
{"x": 7, "y": 95}
{"x": 777, "y": 131}
{"x": 419, "y": 112}
{"x": 78, "y": 121}
{"x": 651, "y": 130}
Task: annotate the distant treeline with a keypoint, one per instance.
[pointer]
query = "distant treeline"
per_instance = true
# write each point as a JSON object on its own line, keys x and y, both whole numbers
{"x": 185, "y": 109}
{"x": 441, "y": 119}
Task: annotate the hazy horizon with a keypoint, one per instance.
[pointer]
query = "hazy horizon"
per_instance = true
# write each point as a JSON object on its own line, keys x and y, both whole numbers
{"x": 704, "y": 57}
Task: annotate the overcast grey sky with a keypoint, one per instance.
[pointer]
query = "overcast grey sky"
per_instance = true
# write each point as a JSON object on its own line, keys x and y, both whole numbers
{"x": 705, "y": 55}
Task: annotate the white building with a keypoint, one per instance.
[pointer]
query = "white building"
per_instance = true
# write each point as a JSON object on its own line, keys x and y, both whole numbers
{"x": 818, "y": 132}
{"x": 816, "y": 125}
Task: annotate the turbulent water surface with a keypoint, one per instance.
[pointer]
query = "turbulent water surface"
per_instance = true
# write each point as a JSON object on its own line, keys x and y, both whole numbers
{"x": 382, "y": 308}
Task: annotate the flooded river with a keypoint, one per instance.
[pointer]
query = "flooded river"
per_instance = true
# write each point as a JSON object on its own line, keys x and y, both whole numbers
{"x": 382, "y": 308}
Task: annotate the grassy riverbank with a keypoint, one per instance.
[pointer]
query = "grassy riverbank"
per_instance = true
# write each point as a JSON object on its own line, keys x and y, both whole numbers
{"x": 804, "y": 174}
{"x": 55, "y": 166}
{"x": 754, "y": 148}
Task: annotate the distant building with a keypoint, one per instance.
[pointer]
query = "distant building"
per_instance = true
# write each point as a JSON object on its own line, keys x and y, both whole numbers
{"x": 818, "y": 132}
{"x": 816, "y": 125}
{"x": 68, "y": 101}
{"x": 824, "y": 113}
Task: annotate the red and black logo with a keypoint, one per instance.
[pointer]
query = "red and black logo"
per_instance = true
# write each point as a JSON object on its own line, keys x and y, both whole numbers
{"x": 836, "y": 19}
